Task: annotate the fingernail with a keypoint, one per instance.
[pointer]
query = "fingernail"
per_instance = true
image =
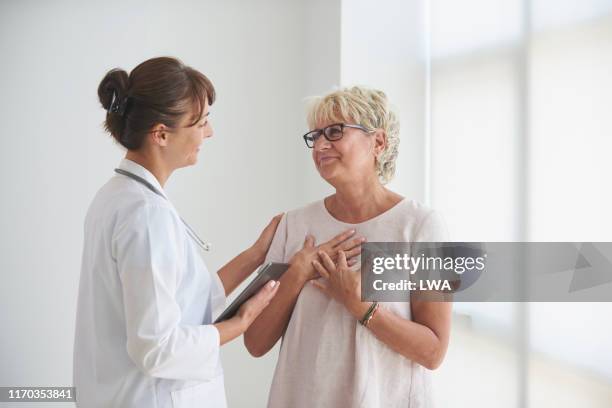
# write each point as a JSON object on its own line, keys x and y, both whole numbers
{"x": 363, "y": 239}
{"x": 272, "y": 284}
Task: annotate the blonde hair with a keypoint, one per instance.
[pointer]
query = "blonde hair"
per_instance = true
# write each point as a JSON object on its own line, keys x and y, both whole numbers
{"x": 364, "y": 106}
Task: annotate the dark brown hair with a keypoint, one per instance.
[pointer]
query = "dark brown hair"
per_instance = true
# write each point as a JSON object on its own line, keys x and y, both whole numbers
{"x": 159, "y": 90}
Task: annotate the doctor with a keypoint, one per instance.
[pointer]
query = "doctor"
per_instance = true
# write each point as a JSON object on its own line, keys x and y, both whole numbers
{"x": 144, "y": 333}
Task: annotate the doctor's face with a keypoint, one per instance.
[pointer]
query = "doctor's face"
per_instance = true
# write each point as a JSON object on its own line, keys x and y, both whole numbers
{"x": 184, "y": 141}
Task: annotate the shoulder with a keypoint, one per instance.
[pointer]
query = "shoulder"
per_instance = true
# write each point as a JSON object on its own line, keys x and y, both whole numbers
{"x": 426, "y": 223}
{"x": 133, "y": 207}
{"x": 290, "y": 232}
{"x": 131, "y": 192}
{"x": 122, "y": 194}
{"x": 308, "y": 210}
{"x": 302, "y": 217}
{"x": 416, "y": 211}
{"x": 298, "y": 222}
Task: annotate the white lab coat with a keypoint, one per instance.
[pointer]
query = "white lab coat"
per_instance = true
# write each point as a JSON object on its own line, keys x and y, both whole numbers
{"x": 144, "y": 336}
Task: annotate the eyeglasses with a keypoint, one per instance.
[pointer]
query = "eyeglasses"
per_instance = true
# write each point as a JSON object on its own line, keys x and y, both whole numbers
{"x": 332, "y": 133}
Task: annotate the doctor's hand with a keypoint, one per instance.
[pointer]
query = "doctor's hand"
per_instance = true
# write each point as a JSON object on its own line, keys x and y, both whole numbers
{"x": 249, "y": 311}
{"x": 340, "y": 283}
{"x": 346, "y": 242}
{"x": 261, "y": 246}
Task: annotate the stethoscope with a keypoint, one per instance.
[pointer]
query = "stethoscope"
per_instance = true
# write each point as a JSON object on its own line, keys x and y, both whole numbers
{"x": 204, "y": 245}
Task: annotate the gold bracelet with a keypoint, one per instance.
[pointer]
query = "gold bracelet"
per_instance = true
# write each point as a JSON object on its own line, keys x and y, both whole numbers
{"x": 369, "y": 314}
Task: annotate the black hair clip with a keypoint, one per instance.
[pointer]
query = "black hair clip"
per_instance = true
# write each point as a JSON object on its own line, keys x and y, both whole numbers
{"x": 118, "y": 105}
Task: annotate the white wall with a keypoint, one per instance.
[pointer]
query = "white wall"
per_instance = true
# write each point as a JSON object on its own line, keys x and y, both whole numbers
{"x": 383, "y": 46}
{"x": 322, "y": 55}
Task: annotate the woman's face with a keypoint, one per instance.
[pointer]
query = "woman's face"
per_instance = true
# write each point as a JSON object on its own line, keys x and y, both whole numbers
{"x": 184, "y": 141}
{"x": 348, "y": 159}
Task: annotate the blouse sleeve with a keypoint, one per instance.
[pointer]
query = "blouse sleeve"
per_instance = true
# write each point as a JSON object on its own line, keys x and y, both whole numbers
{"x": 432, "y": 229}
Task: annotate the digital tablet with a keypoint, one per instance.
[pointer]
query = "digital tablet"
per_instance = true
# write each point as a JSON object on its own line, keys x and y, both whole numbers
{"x": 267, "y": 272}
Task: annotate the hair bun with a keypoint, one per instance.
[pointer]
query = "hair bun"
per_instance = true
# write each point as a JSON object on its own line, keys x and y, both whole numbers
{"x": 114, "y": 82}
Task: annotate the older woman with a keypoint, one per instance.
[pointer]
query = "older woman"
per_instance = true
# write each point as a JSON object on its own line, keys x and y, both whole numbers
{"x": 327, "y": 358}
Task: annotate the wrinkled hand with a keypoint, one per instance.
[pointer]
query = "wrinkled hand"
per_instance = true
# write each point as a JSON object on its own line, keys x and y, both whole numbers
{"x": 249, "y": 311}
{"x": 340, "y": 282}
{"x": 302, "y": 260}
{"x": 262, "y": 245}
